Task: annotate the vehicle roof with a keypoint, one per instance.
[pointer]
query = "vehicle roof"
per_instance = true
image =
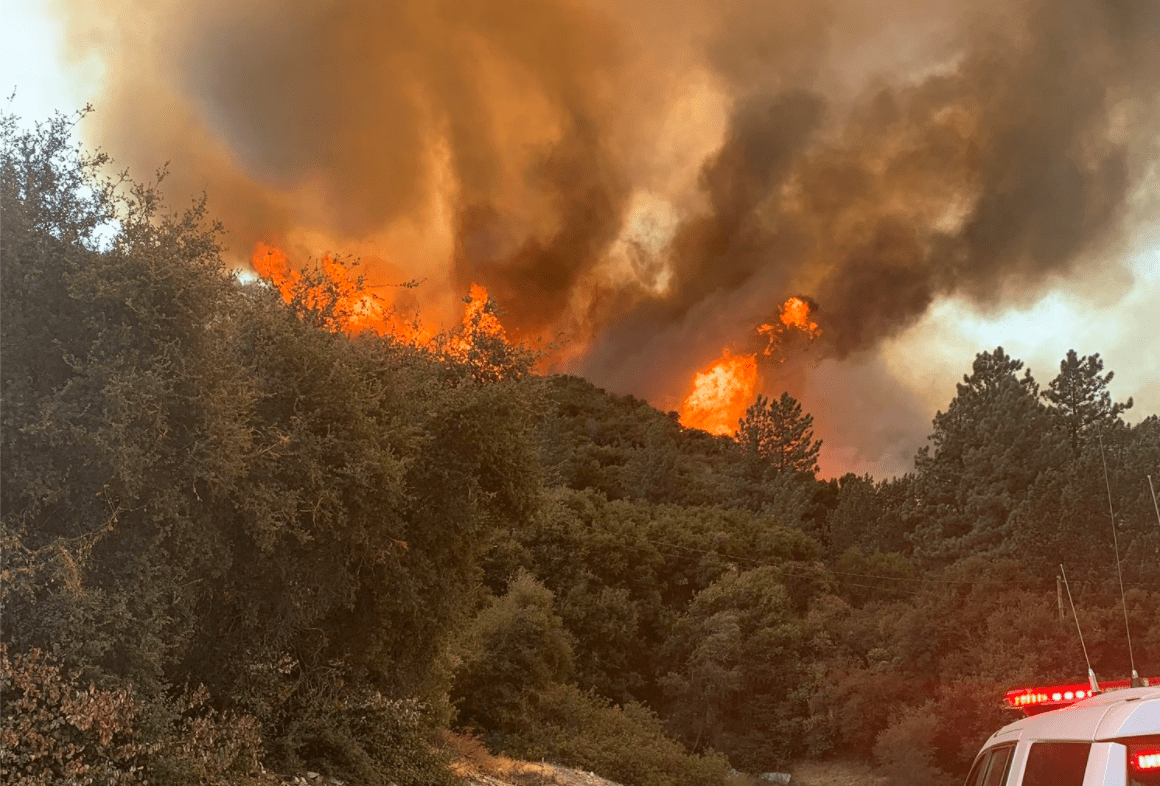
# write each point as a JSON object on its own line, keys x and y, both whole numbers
{"x": 1127, "y": 712}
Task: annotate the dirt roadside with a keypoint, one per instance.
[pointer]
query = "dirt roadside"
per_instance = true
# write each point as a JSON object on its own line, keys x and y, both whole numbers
{"x": 473, "y": 765}
{"x": 476, "y": 767}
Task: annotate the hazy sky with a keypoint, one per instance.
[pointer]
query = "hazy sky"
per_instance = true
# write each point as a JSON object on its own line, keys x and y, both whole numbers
{"x": 872, "y": 397}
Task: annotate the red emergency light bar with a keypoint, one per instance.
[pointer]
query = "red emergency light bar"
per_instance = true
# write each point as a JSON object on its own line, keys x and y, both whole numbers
{"x": 1146, "y": 760}
{"x": 1036, "y": 700}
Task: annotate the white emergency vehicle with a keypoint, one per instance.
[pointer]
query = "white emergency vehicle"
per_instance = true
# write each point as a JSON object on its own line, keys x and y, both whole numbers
{"x": 1074, "y": 736}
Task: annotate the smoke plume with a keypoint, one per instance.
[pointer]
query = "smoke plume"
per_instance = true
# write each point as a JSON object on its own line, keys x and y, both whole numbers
{"x": 650, "y": 178}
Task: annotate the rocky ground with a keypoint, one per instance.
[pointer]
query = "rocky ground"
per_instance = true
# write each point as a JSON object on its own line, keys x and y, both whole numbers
{"x": 476, "y": 767}
{"x": 834, "y": 773}
{"x": 499, "y": 771}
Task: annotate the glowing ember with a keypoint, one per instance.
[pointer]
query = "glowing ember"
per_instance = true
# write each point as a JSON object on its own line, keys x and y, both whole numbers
{"x": 721, "y": 394}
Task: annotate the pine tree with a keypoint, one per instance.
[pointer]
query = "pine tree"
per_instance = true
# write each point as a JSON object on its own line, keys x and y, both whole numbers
{"x": 780, "y": 433}
{"x": 1080, "y": 400}
{"x": 986, "y": 451}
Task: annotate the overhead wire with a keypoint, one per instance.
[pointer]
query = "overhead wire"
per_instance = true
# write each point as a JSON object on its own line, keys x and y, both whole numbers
{"x": 827, "y": 573}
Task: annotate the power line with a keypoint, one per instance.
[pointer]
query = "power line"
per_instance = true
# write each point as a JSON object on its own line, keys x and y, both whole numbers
{"x": 825, "y": 572}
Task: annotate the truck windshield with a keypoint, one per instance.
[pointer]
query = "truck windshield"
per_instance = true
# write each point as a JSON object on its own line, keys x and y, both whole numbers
{"x": 1056, "y": 764}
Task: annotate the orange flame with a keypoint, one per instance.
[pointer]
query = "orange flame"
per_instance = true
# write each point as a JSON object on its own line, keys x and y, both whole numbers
{"x": 479, "y": 324}
{"x": 479, "y": 342}
{"x": 351, "y": 308}
{"x": 795, "y": 314}
{"x": 355, "y": 310}
{"x": 270, "y": 263}
{"x": 721, "y": 393}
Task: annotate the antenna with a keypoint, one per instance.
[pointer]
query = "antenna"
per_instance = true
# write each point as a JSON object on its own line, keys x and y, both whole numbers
{"x": 1154, "y": 505}
{"x": 1136, "y": 683}
{"x": 1095, "y": 686}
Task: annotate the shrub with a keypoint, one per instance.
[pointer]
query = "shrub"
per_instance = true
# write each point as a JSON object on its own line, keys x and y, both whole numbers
{"x": 55, "y": 730}
{"x": 626, "y": 744}
{"x": 905, "y": 749}
{"x": 512, "y": 651}
{"x": 368, "y": 739}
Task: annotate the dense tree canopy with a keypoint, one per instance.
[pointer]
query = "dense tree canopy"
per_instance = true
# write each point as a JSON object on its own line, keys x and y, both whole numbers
{"x": 205, "y": 484}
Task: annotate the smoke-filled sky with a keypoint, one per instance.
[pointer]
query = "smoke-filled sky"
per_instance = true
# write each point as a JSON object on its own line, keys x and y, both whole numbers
{"x": 640, "y": 183}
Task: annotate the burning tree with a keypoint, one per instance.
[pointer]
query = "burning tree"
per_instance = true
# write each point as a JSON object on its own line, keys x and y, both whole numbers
{"x": 331, "y": 296}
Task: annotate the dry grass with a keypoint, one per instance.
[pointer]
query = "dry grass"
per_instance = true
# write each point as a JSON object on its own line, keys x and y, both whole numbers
{"x": 835, "y": 773}
{"x": 475, "y": 766}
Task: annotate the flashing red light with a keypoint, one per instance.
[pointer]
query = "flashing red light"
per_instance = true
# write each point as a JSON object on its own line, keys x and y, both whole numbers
{"x": 1145, "y": 760}
{"x": 1050, "y": 697}
{"x": 1036, "y": 700}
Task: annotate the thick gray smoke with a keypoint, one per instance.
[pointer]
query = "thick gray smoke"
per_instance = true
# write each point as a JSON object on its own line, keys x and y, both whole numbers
{"x": 872, "y": 155}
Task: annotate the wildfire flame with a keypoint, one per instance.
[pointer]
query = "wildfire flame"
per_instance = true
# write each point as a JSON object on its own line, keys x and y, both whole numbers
{"x": 721, "y": 394}
{"x": 480, "y": 325}
{"x": 354, "y": 310}
{"x": 723, "y": 391}
{"x": 351, "y": 308}
{"x": 795, "y": 314}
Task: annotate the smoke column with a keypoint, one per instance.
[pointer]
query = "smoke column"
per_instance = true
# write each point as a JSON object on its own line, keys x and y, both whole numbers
{"x": 650, "y": 179}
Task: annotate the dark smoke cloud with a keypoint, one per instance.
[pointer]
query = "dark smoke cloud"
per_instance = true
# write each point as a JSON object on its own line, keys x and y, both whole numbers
{"x": 985, "y": 178}
{"x": 346, "y": 119}
{"x": 875, "y": 156}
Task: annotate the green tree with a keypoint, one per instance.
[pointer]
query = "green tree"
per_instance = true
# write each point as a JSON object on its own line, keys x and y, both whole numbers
{"x": 627, "y": 743}
{"x": 1066, "y": 519}
{"x": 513, "y": 650}
{"x": 986, "y": 451}
{"x": 905, "y": 749}
{"x": 122, "y": 401}
{"x": 781, "y": 434}
{"x": 869, "y": 514}
{"x": 205, "y": 484}
{"x": 1080, "y": 401}
{"x": 737, "y": 683}
{"x": 624, "y": 448}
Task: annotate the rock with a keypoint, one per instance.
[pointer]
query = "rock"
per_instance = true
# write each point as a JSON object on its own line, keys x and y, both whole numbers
{"x": 775, "y": 777}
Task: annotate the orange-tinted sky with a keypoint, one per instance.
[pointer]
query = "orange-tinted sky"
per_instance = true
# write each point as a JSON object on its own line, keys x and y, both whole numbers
{"x": 645, "y": 182}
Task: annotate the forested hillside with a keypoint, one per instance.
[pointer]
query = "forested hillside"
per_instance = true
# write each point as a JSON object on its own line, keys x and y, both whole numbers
{"x": 236, "y": 536}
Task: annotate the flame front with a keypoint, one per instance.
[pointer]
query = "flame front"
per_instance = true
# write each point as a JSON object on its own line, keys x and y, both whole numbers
{"x": 480, "y": 325}
{"x": 721, "y": 393}
{"x": 353, "y": 310}
{"x": 349, "y": 307}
